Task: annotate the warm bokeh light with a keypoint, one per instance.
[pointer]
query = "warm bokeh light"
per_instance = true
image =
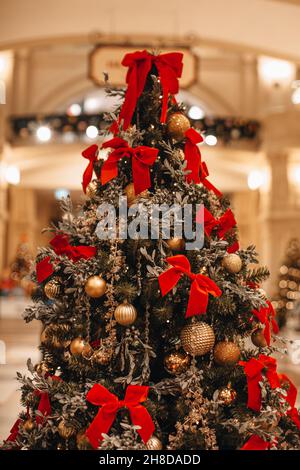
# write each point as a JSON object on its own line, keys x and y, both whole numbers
{"x": 196, "y": 113}
{"x": 275, "y": 70}
{"x": 43, "y": 134}
{"x": 92, "y": 132}
{"x": 211, "y": 140}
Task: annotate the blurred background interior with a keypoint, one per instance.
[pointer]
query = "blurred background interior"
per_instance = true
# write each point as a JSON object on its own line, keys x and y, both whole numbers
{"x": 241, "y": 88}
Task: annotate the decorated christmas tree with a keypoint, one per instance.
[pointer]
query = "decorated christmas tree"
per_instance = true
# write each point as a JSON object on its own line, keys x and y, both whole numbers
{"x": 145, "y": 336}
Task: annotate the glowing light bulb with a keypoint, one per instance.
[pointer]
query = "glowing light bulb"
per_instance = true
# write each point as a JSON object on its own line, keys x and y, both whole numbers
{"x": 44, "y": 133}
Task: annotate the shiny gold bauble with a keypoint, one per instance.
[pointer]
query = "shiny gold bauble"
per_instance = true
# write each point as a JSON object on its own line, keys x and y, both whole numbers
{"x": 258, "y": 338}
{"x": 66, "y": 430}
{"x": 125, "y": 314}
{"x": 52, "y": 288}
{"x": 226, "y": 353}
{"x": 232, "y": 263}
{"x": 227, "y": 395}
{"x": 52, "y": 333}
{"x": 132, "y": 197}
{"x": 82, "y": 441}
{"x": 176, "y": 244}
{"x": 101, "y": 357}
{"x": 154, "y": 444}
{"x": 28, "y": 425}
{"x": 79, "y": 347}
{"x": 177, "y": 362}
{"x": 42, "y": 368}
{"x": 95, "y": 287}
{"x": 91, "y": 189}
{"x": 197, "y": 338}
{"x": 177, "y": 125}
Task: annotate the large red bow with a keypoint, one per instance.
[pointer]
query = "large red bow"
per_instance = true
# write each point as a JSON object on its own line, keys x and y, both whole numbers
{"x": 200, "y": 288}
{"x": 44, "y": 269}
{"x": 266, "y": 316}
{"x": 61, "y": 246}
{"x": 91, "y": 153}
{"x": 169, "y": 68}
{"x": 223, "y": 224}
{"x": 110, "y": 404}
{"x": 142, "y": 158}
{"x": 255, "y": 442}
{"x": 192, "y": 155}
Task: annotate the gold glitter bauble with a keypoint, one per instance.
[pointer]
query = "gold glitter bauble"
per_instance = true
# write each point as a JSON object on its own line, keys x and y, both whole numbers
{"x": 227, "y": 395}
{"x": 54, "y": 335}
{"x": 28, "y": 425}
{"x": 197, "y": 338}
{"x": 91, "y": 189}
{"x": 101, "y": 357}
{"x": 42, "y": 368}
{"x": 79, "y": 347}
{"x": 154, "y": 444}
{"x": 95, "y": 287}
{"x": 125, "y": 314}
{"x": 226, "y": 353}
{"x": 258, "y": 338}
{"x": 232, "y": 263}
{"x": 66, "y": 430}
{"x": 176, "y": 244}
{"x": 52, "y": 288}
{"x": 177, "y": 362}
{"x": 177, "y": 125}
{"x": 82, "y": 441}
{"x": 132, "y": 198}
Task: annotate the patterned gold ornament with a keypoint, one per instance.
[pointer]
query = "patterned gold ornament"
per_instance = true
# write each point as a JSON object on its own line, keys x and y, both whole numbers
{"x": 258, "y": 338}
{"x": 125, "y": 314}
{"x": 232, "y": 263}
{"x": 82, "y": 441}
{"x": 79, "y": 347}
{"x": 177, "y": 125}
{"x": 101, "y": 357}
{"x": 176, "y": 244}
{"x": 95, "y": 287}
{"x": 91, "y": 190}
{"x": 54, "y": 335}
{"x": 227, "y": 395}
{"x": 52, "y": 288}
{"x": 132, "y": 198}
{"x": 226, "y": 353}
{"x": 154, "y": 444}
{"x": 197, "y": 338}
{"x": 28, "y": 425}
{"x": 66, "y": 430}
{"x": 42, "y": 368}
{"x": 177, "y": 362}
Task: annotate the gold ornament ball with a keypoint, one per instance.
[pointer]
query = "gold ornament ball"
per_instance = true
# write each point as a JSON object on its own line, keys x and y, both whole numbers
{"x": 226, "y": 353}
{"x": 125, "y": 314}
{"x": 95, "y": 287}
{"x": 79, "y": 347}
{"x": 176, "y": 244}
{"x": 154, "y": 444}
{"x": 66, "y": 430}
{"x": 131, "y": 196}
{"x": 177, "y": 362}
{"x": 197, "y": 339}
{"x": 227, "y": 395}
{"x": 258, "y": 338}
{"x": 51, "y": 333}
{"x": 52, "y": 288}
{"x": 232, "y": 263}
{"x": 28, "y": 425}
{"x": 101, "y": 357}
{"x": 177, "y": 126}
{"x": 42, "y": 368}
{"x": 82, "y": 441}
{"x": 91, "y": 189}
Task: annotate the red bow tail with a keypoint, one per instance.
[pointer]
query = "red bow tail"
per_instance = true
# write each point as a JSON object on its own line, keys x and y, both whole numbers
{"x": 192, "y": 155}
{"x": 91, "y": 153}
{"x": 44, "y": 406}
{"x": 255, "y": 442}
{"x": 44, "y": 269}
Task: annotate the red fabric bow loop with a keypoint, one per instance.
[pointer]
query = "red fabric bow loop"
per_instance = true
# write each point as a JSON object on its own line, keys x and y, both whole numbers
{"x": 266, "y": 316}
{"x": 44, "y": 269}
{"x": 91, "y": 154}
{"x": 192, "y": 155}
{"x": 225, "y": 223}
{"x": 61, "y": 246}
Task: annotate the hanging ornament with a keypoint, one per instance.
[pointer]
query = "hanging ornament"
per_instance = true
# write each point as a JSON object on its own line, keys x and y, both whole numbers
{"x": 258, "y": 338}
{"x": 132, "y": 198}
{"x": 125, "y": 314}
{"x": 197, "y": 338}
{"x": 177, "y": 362}
{"x": 227, "y": 395}
{"x": 66, "y": 430}
{"x": 232, "y": 263}
{"x": 101, "y": 357}
{"x": 55, "y": 335}
{"x": 91, "y": 190}
{"x": 95, "y": 287}
{"x": 176, "y": 244}
{"x": 82, "y": 441}
{"x": 154, "y": 444}
{"x": 177, "y": 125}
{"x": 28, "y": 425}
{"x": 52, "y": 288}
{"x": 226, "y": 353}
{"x": 42, "y": 368}
{"x": 79, "y": 347}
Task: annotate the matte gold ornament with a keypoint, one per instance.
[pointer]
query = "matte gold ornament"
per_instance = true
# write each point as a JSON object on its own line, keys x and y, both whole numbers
{"x": 91, "y": 189}
{"x": 125, "y": 314}
{"x": 28, "y": 425}
{"x": 197, "y": 338}
{"x": 132, "y": 198}
{"x": 258, "y": 338}
{"x": 79, "y": 347}
{"x": 82, "y": 441}
{"x": 232, "y": 263}
{"x": 177, "y": 362}
{"x": 226, "y": 353}
{"x": 176, "y": 244}
{"x": 52, "y": 288}
{"x": 154, "y": 444}
{"x": 95, "y": 287}
{"x": 177, "y": 125}
{"x": 101, "y": 357}
{"x": 66, "y": 430}
{"x": 227, "y": 395}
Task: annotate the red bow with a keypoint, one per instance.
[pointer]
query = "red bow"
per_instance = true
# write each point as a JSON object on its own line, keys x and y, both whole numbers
{"x": 253, "y": 370}
{"x": 200, "y": 288}
{"x": 255, "y": 442}
{"x": 223, "y": 224}
{"x": 192, "y": 155}
{"x": 44, "y": 269}
{"x": 142, "y": 158}
{"x": 44, "y": 404}
{"x": 110, "y": 404}
{"x": 61, "y": 246}
{"x": 266, "y": 315}
{"x": 91, "y": 153}
{"x": 169, "y": 67}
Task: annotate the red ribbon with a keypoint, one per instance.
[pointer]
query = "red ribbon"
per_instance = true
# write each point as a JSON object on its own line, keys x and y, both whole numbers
{"x": 142, "y": 158}
{"x": 266, "y": 316}
{"x": 110, "y": 404}
{"x": 61, "y": 246}
{"x": 44, "y": 404}
{"x": 204, "y": 173}
{"x": 139, "y": 63}
{"x": 225, "y": 223}
{"x": 14, "y": 431}
{"x": 255, "y": 442}
{"x": 91, "y": 153}
{"x": 44, "y": 269}
{"x": 192, "y": 155}
{"x": 200, "y": 288}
